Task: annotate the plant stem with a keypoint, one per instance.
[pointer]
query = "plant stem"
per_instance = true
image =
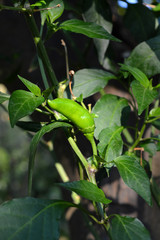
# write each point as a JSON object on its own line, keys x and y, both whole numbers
{"x": 127, "y": 135}
{"x": 41, "y": 48}
{"x": 140, "y": 134}
{"x": 94, "y": 149}
{"x": 19, "y": 9}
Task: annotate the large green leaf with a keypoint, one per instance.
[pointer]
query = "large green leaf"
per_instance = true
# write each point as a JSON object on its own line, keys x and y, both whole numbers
{"x": 90, "y": 81}
{"x": 31, "y": 218}
{"x": 134, "y": 176}
{"x": 3, "y": 97}
{"x": 140, "y": 22}
{"x": 144, "y": 96}
{"x": 21, "y": 104}
{"x": 109, "y": 110}
{"x": 127, "y": 228}
{"x": 99, "y": 12}
{"x": 34, "y": 143}
{"x": 137, "y": 74}
{"x": 52, "y": 13}
{"x": 87, "y": 190}
{"x": 110, "y": 144}
{"x": 89, "y": 29}
{"x": 146, "y": 57}
{"x": 31, "y": 86}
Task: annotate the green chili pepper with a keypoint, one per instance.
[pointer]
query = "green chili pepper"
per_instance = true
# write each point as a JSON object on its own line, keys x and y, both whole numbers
{"x": 79, "y": 116}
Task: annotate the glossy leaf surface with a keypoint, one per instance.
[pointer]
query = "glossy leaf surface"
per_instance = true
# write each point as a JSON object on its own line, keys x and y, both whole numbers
{"x": 31, "y": 218}
{"x": 146, "y": 57}
{"x": 31, "y": 86}
{"x": 87, "y": 190}
{"x": 109, "y": 110}
{"x": 127, "y": 228}
{"x": 144, "y": 96}
{"x": 110, "y": 144}
{"x": 21, "y": 104}
{"x": 90, "y": 81}
{"x": 91, "y": 30}
{"x": 134, "y": 176}
{"x": 137, "y": 74}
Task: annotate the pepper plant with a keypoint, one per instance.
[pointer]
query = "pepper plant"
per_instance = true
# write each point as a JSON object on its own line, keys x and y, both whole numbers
{"x": 105, "y": 124}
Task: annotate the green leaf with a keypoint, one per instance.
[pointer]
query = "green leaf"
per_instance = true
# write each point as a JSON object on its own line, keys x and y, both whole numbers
{"x": 127, "y": 228}
{"x": 137, "y": 74}
{"x": 134, "y": 176}
{"x": 90, "y": 81}
{"x": 110, "y": 144}
{"x": 140, "y": 22}
{"x": 144, "y": 96}
{"x": 109, "y": 109}
{"x": 4, "y": 97}
{"x": 53, "y": 12}
{"x": 31, "y": 218}
{"x": 155, "y": 112}
{"x": 31, "y": 86}
{"x": 87, "y": 190}
{"x": 99, "y": 12}
{"x": 91, "y": 30}
{"x": 146, "y": 57}
{"x": 21, "y": 104}
{"x": 34, "y": 143}
{"x": 38, "y": 3}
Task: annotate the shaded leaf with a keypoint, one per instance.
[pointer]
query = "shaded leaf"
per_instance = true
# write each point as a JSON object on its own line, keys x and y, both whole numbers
{"x": 87, "y": 190}
{"x": 109, "y": 111}
{"x": 127, "y": 228}
{"x": 146, "y": 57}
{"x": 21, "y": 104}
{"x": 99, "y": 12}
{"x": 31, "y": 86}
{"x": 4, "y": 97}
{"x": 137, "y": 74}
{"x": 156, "y": 124}
{"x": 134, "y": 176}
{"x": 31, "y": 218}
{"x": 140, "y": 22}
{"x": 91, "y": 30}
{"x": 144, "y": 96}
{"x": 30, "y": 126}
{"x": 110, "y": 144}
{"x": 90, "y": 81}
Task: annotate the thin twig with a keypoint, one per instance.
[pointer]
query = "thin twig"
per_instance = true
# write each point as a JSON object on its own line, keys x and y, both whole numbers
{"x": 49, "y": 8}
{"x": 71, "y": 74}
{"x": 66, "y": 58}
